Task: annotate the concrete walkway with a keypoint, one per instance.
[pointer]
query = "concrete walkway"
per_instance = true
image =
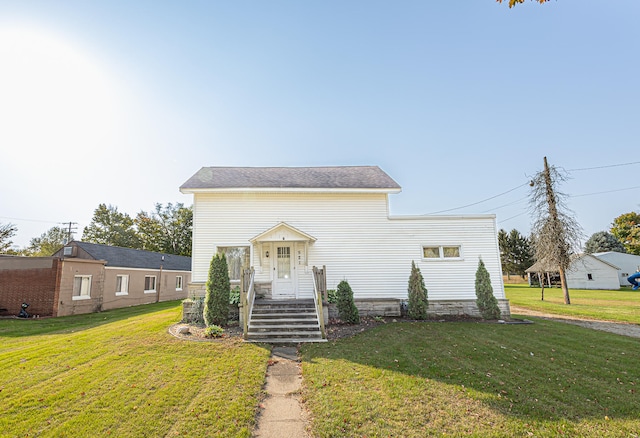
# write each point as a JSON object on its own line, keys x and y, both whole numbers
{"x": 282, "y": 414}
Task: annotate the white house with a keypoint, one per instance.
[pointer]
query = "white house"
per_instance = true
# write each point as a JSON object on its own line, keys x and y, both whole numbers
{"x": 585, "y": 272}
{"x": 627, "y": 264}
{"x": 285, "y": 220}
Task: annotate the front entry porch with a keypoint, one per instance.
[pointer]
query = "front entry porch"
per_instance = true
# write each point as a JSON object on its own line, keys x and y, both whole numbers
{"x": 291, "y": 320}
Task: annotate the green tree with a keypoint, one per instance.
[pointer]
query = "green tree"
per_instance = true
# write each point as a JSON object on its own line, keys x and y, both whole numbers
{"x": 218, "y": 289}
{"x": 418, "y": 295}
{"x": 603, "y": 241}
{"x": 110, "y": 227}
{"x": 516, "y": 252}
{"x": 166, "y": 229}
{"x": 347, "y": 310}
{"x": 48, "y": 242}
{"x": 626, "y": 228}
{"x": 486, "y": 301}
{"x": 7, "y": 231}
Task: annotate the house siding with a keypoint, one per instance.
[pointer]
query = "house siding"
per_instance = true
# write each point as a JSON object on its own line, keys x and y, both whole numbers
{"x": 70, "y": 268}
{"x": 604, "y": 276}
{"x": 355, "y": 238}
{"x": 628, "y": 264}
{"x": 165, "y": 283}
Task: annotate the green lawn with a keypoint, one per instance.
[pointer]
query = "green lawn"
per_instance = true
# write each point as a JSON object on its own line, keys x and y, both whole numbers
{"x": 544, "y": 379}
{"x": 120, "y": 373}
{"x": 610, "y": 305}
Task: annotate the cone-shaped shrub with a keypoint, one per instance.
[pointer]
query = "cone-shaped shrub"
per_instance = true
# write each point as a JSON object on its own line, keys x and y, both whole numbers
{"x": 418, "y": 300}
{"x": 347, "y": 310}
{"x": 216, "y": 301}
{"x": 487, "y": 303}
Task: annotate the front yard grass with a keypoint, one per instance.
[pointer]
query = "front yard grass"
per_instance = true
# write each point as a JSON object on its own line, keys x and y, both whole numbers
{"x": 608, "y": 305}
{"x": 120, "y": 373}
{"x": 474, "y": 379}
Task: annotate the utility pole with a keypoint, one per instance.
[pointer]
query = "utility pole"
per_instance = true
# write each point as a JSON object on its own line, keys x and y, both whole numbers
{"x": 70, "y": 230}
{"x": 555, "y": 221}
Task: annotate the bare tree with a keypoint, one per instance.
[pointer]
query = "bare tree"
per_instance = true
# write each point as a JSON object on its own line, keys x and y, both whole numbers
{"x": 556, "y": 231}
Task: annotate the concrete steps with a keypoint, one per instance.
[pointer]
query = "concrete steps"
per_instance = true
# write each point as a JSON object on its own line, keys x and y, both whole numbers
{"x": 290, "y": 321}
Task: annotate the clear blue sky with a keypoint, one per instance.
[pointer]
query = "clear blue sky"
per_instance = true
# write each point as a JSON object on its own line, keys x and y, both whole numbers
{"x": 120, "y": 102}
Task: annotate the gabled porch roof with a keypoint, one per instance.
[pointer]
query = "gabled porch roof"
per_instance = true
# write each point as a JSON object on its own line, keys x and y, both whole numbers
{"x": 282, "y": 232}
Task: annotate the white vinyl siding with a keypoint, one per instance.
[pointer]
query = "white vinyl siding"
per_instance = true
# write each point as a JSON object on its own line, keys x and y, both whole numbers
{"x": 603, "y": 275}
{"x": 355, "y": 238}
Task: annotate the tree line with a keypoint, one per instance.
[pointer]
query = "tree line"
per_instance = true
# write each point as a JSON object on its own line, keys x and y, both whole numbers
{"x": 166, "y": 229}
{"x": 517, "y": 252}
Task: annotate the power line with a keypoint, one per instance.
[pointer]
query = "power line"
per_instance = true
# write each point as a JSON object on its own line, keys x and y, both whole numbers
{"x": 604, "y": 167}
{"x": 30, "y": 220}
{"x": 479, "y": 202}
{"x": 607, "y": 191}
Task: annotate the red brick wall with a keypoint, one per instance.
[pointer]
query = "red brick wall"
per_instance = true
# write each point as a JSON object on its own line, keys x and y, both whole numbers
{"x": 29, "y": 280}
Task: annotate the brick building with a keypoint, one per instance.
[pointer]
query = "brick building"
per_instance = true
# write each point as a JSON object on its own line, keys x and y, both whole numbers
{"x": 86, "y": 277}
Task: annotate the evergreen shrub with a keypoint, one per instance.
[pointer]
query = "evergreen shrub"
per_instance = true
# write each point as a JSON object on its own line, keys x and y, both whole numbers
{"x": 216, "y": 301}
{"x": 486, "y": 301}
{"x": 418, "y": 299}
{"x": 347, "y": 310}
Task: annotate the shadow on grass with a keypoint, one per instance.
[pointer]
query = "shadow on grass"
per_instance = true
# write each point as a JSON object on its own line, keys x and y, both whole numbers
{"x": 547, "y": 371}
{"x": 45, "y": 326}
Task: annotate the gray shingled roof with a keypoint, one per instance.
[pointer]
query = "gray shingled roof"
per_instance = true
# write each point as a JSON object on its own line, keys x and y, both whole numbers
{"x": 339, "y": 177}
{"x": 135, "y": 258}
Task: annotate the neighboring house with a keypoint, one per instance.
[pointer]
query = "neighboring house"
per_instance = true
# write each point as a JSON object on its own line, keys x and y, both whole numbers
{"x": 87, "y": 277}
{"x": 284, "y": 220}
{"x": 585, "y": 272}
{"x": 628, "y": 264}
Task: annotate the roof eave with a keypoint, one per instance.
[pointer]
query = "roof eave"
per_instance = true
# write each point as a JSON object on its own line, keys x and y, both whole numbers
{"x": 388, "y": 190}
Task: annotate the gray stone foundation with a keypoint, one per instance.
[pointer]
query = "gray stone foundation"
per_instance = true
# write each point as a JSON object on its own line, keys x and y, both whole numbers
{"x": 437, "y": 308}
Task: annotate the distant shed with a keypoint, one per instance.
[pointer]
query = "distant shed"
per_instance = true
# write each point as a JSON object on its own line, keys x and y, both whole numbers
{"x": 585, "y": 272}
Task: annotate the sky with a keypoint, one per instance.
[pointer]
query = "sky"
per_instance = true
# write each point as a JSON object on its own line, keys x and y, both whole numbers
{"x": 120, "y": 102}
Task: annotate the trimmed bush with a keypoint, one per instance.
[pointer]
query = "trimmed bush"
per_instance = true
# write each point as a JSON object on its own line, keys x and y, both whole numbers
{"x": 487, "y": 303}
{"x": 216, "y": 300}
{"x": 347, "y": 310}
{"x": 213, "y": 331}
{"x": 418, "y": 299}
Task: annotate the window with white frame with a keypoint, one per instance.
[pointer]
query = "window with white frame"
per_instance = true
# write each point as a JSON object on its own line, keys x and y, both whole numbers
{"x": 439, "y": 252}
{"x": 122, "y": 284}
{"x": 179, "y": 282}
{"x": 237, "y": 259}
{"x": 149, "y": 283}
{"x": 81, "y": 287}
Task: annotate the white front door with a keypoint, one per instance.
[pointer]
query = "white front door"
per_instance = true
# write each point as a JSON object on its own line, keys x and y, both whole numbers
{"x": 284, "y": 273}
